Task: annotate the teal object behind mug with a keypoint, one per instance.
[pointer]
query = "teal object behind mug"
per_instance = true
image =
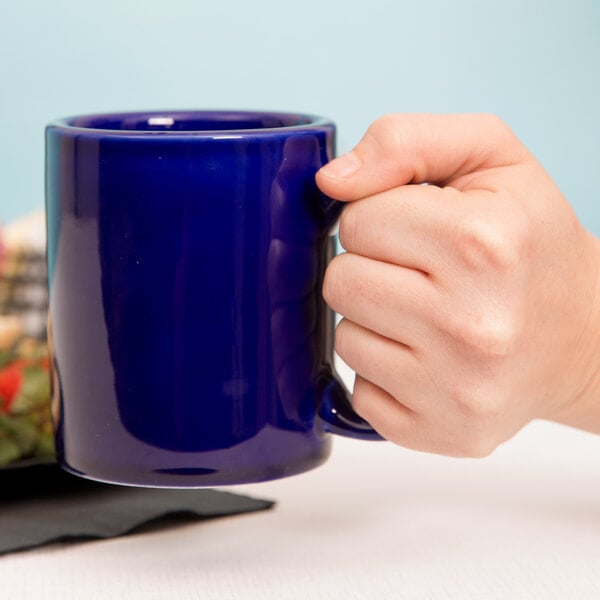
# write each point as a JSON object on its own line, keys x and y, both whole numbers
{"x": 191, "y": 343}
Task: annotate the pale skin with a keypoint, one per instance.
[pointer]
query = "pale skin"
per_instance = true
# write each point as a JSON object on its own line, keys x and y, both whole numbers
{"x": 471, "y": 305}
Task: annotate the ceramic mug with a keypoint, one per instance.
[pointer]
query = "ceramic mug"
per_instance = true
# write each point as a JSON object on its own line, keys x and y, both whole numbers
{"x": 191, "y": 345}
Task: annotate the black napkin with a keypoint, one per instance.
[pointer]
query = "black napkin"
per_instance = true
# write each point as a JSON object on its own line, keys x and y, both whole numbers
{"x": 41, "y": 504}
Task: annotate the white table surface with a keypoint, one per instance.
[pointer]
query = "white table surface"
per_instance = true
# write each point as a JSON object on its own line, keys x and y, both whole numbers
{"x": 377, "y": 521}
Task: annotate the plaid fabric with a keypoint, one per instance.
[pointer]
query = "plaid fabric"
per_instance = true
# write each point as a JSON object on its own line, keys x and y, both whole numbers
{"x": 23, "y": 283}
{"x": 25, "y": 413}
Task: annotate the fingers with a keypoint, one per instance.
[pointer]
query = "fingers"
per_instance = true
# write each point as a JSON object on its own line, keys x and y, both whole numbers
{"x": 393, "y": 301}
{"x": 397, "y": 423}
{"x": 442, "y": 232}
{"x": 399, "y": 149}
{"x": 407, "y": 226}
{"x": 383, "y": 412}
{"x": 437, "y": 433}
{"x": 391, "y": 366}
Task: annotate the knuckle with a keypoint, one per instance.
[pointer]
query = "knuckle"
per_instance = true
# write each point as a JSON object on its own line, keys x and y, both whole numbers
{"x": 366, "y": 402}
{"x": 481, "y": 418}
{"x": 484, "y": 411}
{"x": 494, "y": 122}
{"x": 349, "y": 226}
{"x": 388, "y": 134}
{"x": 480, "y": 414}
{"x": 465, "y": 396}
{"x": 500, "y": 132}
{"x": 493, "y": 337}
{"x": 501, "y": 136}
{"x": 342, "y": 341}
{"x": 488, "y": 336}
{"x": 362, "y": 403}
{"x": 484, "y": 246}
{"x": 335, "y": 288}
{"x": 383, "y": 125}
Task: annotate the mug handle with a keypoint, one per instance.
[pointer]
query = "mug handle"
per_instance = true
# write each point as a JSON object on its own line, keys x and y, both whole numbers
{"x": 337, "y": 415}
{"x": 335, "y": 406}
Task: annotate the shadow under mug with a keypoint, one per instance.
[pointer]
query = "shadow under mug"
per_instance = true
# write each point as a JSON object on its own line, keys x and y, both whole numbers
{"x": 190, "y": 342}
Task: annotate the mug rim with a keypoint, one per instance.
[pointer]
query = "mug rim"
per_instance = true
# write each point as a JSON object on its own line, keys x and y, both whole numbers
{"x": 290, "y": 122}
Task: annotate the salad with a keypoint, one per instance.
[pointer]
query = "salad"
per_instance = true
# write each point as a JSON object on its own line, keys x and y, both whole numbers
{"x": 25, "y": 418}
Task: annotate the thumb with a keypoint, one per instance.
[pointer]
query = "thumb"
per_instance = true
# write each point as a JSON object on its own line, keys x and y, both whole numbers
{"x": 399, "y": 149}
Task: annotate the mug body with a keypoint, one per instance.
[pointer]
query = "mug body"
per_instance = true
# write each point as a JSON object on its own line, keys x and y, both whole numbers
{"x": 186, "y": 253}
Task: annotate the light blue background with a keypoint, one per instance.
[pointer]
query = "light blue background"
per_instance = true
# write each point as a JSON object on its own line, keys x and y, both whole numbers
{"x": 535, "y": 63}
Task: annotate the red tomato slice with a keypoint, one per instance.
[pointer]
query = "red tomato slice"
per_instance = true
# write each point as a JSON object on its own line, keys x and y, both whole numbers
{"x": 11, "y": 378}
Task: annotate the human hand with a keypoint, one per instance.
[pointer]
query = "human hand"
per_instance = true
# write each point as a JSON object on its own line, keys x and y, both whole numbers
{"x": 470, "y": 304}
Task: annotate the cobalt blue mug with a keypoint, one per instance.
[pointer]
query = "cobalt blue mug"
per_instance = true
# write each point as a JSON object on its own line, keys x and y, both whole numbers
{"x": 191, "y": 345}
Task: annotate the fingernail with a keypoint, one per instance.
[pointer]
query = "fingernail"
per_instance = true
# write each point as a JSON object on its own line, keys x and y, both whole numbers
{"x": 342, "y": 167}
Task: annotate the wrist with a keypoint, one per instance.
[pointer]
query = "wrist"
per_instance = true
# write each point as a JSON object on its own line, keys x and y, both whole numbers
{"x": 582, "y": 410}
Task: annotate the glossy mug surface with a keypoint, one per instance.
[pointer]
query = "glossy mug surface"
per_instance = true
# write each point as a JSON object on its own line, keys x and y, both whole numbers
{"x": 186, "y": 252}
